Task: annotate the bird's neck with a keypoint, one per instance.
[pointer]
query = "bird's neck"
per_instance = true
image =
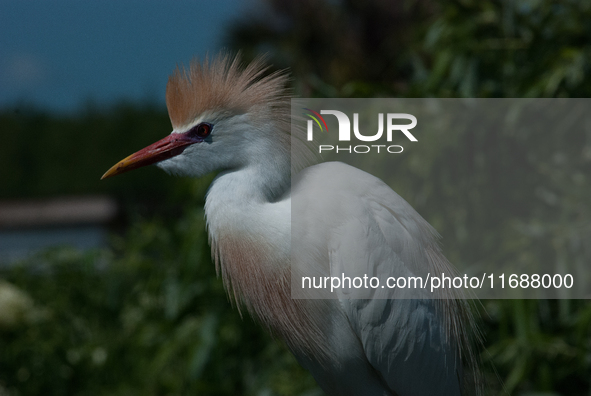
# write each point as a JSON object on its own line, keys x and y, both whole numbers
{"x": 249, "y": 220}
{"x": 249, "y": 209}
{"x": 249, "y": 223}
{"x": 253, "y": 184}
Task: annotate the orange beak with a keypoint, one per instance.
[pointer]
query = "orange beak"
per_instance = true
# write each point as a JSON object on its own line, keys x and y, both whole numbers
{"x": 170, "y": 146}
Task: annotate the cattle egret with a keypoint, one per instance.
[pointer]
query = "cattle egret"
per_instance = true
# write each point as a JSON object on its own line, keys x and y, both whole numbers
{"x": 236, "y": 120}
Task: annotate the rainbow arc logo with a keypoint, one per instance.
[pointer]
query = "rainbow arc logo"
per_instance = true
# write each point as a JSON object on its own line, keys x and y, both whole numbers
{"x": 315, "y": 118}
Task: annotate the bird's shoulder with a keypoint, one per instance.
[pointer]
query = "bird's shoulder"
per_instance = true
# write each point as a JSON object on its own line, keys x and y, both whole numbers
{"x": 336, "y": 196}
{"x": 334, "y": 183}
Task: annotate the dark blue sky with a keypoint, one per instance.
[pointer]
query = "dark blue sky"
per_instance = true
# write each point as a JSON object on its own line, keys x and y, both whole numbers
{"x": 57, "y": 54}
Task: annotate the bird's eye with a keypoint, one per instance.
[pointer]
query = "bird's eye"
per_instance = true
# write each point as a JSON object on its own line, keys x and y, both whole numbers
{"x": 202, "y": 130}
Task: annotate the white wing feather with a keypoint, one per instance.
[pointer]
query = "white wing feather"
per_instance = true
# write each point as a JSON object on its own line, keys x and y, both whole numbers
{"x": 410, "y": 343}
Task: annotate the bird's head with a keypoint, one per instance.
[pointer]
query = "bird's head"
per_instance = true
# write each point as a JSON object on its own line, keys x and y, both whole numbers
{"x": 223, "y": 117}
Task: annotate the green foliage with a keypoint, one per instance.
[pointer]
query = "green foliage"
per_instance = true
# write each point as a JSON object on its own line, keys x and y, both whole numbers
{"x": 530, "y": 48}
{"x": 349, "y": 48}
{"x": 148, "y": 318}
{"x": 41, "y": 149}
{"x": 539, "y": 345}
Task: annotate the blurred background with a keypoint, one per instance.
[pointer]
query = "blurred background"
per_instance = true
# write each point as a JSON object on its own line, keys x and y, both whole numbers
{"x": 107, "y": 288}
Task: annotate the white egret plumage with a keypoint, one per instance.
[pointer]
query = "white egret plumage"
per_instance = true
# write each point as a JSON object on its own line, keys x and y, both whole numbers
{"x": 237, "y": 121}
